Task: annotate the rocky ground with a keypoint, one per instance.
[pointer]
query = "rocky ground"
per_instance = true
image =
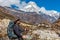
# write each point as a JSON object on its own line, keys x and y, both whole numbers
{"x": 41, "y": 31}
{"x": 35, "y": 32}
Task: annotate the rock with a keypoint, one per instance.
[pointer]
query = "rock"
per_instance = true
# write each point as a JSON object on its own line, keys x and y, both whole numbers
{"x": 34, "y": 33}
{"x": 46, "y": 34}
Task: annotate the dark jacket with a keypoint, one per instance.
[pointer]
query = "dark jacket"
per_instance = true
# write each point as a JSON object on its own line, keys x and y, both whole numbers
{"x": 18, "y": 30}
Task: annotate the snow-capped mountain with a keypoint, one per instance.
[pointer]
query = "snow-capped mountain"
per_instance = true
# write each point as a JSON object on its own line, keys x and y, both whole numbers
{"x": 49, "y": 14}
{"x": 31, "y": 7}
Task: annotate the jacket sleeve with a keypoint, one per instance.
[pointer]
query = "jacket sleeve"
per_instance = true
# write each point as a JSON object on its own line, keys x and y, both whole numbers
{"x": 18, "y": 30}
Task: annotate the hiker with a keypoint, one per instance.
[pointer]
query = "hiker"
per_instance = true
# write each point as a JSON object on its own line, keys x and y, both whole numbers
{"x": 18, "y": 30}
{"x": 14, "y": 30}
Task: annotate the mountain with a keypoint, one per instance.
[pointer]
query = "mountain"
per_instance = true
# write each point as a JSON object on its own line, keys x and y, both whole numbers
{"x": 4, "y": 14}
{"x": 32, "y": 17}
{"x": 57, "y": 23}
{"x": 52, "y": 18}
{"x": 31, "y": 7}
{"x": 48, "y": 14}
{"x": 29, "y": 17}
{"x": 56, "y": 26}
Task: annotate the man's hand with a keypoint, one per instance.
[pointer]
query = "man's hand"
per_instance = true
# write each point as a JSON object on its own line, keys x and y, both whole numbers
{"x": 25, "y": 29}
{"x": 24, "y": 36}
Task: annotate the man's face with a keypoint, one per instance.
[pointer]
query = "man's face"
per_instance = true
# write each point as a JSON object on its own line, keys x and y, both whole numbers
{"x": 18, "y": 22}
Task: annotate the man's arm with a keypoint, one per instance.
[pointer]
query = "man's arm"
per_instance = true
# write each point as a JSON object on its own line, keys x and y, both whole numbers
{"x": 18, "y": 30}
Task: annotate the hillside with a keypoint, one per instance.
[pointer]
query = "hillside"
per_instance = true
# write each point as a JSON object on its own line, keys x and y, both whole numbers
{"x": 4, "y": 14}
{"x": 38, "y": 28}
{"x": 28, "y": 17}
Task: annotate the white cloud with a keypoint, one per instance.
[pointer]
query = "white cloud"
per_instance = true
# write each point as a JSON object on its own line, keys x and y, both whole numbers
{"x": 23, "y": 4}
{"x": 9, "y": 2}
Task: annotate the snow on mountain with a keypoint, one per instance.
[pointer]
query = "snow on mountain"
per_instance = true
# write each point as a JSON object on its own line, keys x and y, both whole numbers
{"x": 51, "y": 13}
{"x": 32, "y": 7}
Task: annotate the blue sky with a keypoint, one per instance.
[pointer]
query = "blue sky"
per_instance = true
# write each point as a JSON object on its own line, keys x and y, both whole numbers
{"x": 48, "y": 4}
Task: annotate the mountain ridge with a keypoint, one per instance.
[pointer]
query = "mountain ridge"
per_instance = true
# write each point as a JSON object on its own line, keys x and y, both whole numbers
{"x": 32, "y": 7}
{"x": 33, "y": 17}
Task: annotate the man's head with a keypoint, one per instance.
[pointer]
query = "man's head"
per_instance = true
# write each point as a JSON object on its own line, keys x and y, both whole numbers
{"x": 17, "y": 21}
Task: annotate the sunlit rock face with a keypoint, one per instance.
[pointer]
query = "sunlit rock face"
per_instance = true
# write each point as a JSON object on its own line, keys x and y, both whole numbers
{"x": 41, "y": 32}
{"x": 3, "y": 26}
{"x": 46, "y": 34}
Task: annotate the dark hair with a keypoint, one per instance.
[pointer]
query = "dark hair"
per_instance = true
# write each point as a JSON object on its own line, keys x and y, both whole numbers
{"x": 16, "y": 21}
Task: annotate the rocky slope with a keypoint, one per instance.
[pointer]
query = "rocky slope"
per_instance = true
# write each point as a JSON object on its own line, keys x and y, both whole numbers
{"x": 41, "y": 31}
{"x": 5, "y": 14}
{"x": 57, "y": 26}
{"x": 31, "y": 17}
{"x": 38, "y": 27}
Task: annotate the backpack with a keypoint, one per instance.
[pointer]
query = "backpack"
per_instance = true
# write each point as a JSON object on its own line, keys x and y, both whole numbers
{"x": 10, "y": 31}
